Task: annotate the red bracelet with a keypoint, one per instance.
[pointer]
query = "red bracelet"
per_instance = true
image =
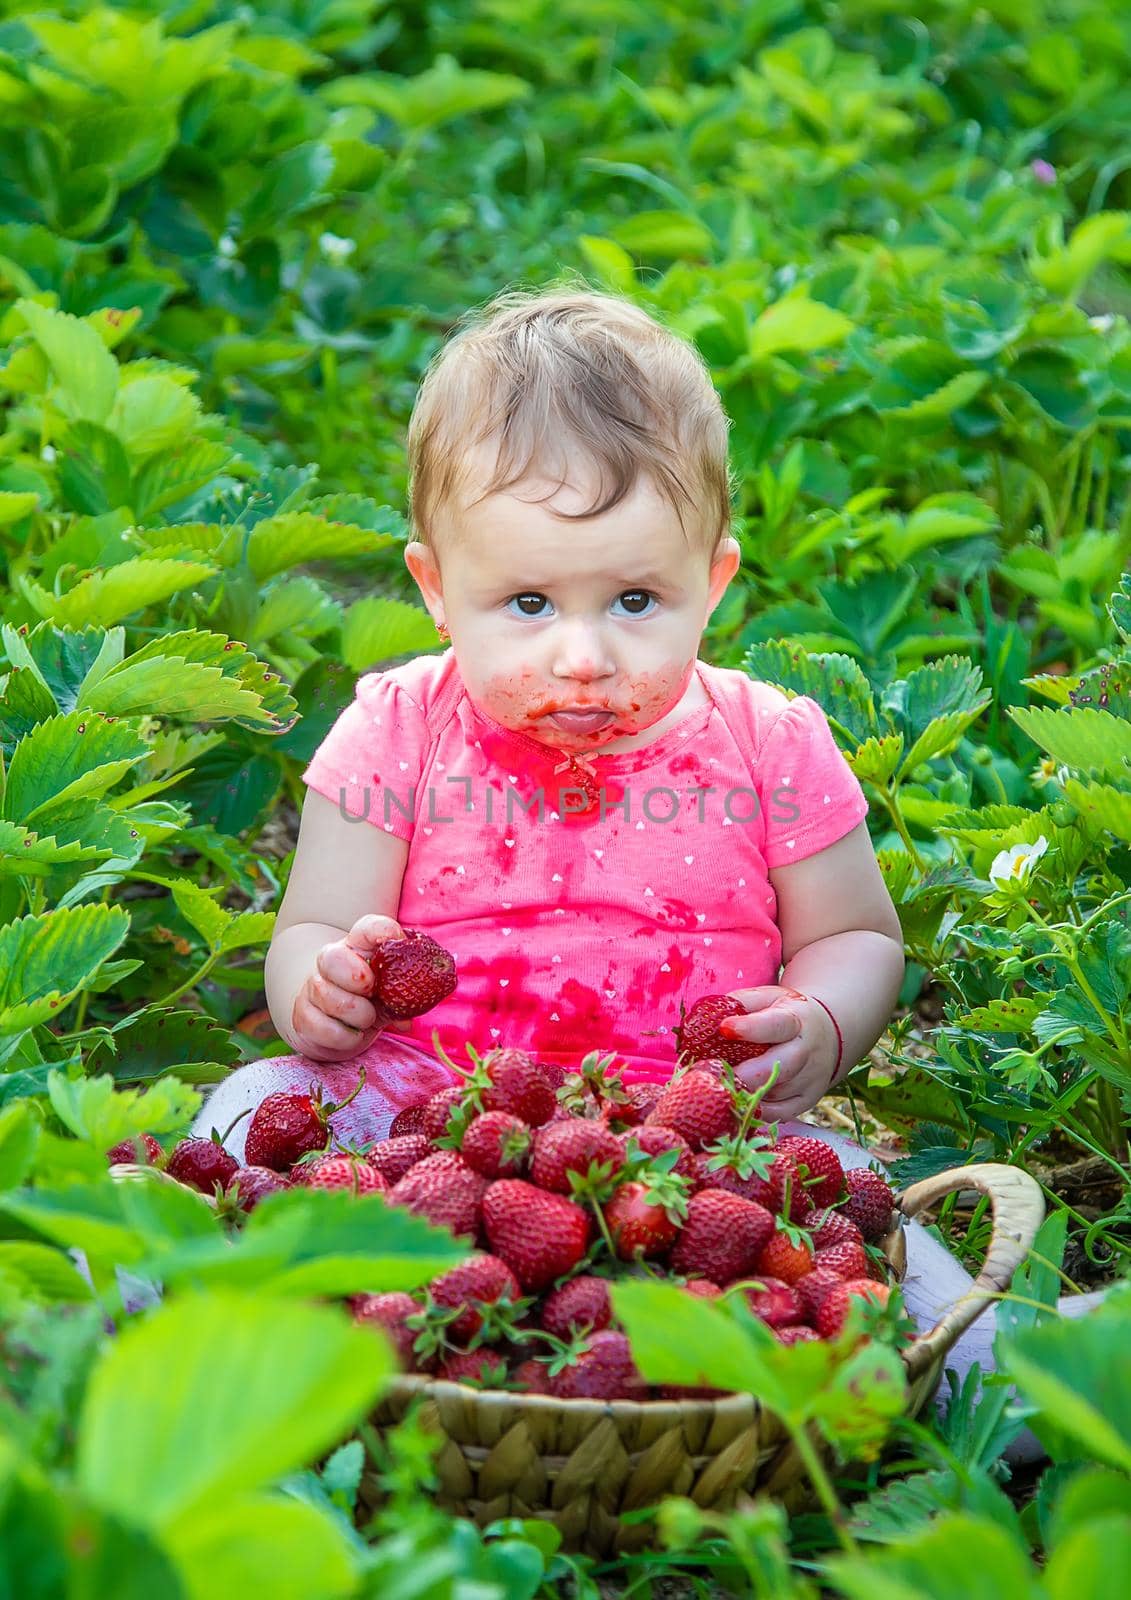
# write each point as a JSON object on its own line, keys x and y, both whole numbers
{"x": 839, "y": 1038}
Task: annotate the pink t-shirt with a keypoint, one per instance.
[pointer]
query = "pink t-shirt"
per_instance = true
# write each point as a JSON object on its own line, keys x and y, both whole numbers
{"x": 579, "y": 929}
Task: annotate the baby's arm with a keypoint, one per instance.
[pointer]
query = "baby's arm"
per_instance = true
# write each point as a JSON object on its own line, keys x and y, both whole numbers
{"x": 841, "y": 943}
{"x": 340, "y": 904}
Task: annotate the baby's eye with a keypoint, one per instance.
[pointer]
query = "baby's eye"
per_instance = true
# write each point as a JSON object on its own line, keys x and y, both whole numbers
{"x": 536, "y": 601}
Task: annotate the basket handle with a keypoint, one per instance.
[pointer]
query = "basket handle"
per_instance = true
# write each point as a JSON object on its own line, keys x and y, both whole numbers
{"x": 1018, "y": 1211}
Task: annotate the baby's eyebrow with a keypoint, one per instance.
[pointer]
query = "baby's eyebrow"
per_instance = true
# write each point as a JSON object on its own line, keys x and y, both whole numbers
{"x": 658, "y": 580}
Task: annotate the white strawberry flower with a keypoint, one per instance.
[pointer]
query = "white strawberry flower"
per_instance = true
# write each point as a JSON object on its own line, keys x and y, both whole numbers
{"x": 1016, "y": 864}
{"x": 336, "y": 249}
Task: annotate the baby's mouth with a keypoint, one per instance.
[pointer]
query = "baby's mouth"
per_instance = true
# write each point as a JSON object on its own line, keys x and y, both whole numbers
{"x": 574, "y": 721}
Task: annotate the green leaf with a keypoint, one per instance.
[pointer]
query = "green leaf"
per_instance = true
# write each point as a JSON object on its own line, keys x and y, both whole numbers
{"x": 1064, "y": 270}
{"x": 956, "y": 1555}
{"x": 1065, "y": 1367}
{"x": 15, "y": 505}
{"x": 834, "y": 681}
{"x": 153, "y": 414}
{"x": 25, "y": 854}
{"x": 291, "y": 183}
{"x": 1102, "y": 806}
{"x": 173, "y": 474}
{"x": 943, "y": 402}
{"x": 67, "y": 758}
{"x": 679, "y": 1338}
{"x": 945, "y": 689}
{"x": 94, "y": 474}
{"x": 1089, "y": 740}
{"x": 95, "y": 1110}
{"x": 1015, "y": 1015}
{"x": 610, "y": 261}
{"x": 934, "y": 521}
{"x": 256, "y": 1543}
{"x": 83, "y": 368}
{"x": 296, "y": 537}
{"x": 316, "y": 1243}
{"x": 106, "y": 597}
{"x": 666, "y": 234}
{"x": 797, "y": 323}
{"x": 442, "y": 93}
{"x": 46, "y": 960}
{"x": 875, "y": 760}
{"x": 299, "y": 604}
{"x": 1092, "y": 1562}
{"x": 41, "y": 1273}
{"x": 377, "y": 628}
{"x": 19, "y": 1140}
{"x": 205, "y": 676}
{"x": 162, "y": 1039}
{"x": 220, "y": 1394}
{"x": 116, "y": 1223}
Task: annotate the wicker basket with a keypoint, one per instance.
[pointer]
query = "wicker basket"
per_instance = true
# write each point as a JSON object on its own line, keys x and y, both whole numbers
{"x": 582, "y": 1464}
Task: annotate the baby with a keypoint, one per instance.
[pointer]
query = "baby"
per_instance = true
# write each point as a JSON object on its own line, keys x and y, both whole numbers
{"x": 597, "y": 824}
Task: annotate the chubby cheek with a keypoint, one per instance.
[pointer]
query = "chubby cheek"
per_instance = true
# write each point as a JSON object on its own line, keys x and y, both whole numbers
{"x": 521, "y": 698}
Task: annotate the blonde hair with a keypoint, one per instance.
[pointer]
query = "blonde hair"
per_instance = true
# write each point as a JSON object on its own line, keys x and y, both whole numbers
{"x": 538, "y": 370}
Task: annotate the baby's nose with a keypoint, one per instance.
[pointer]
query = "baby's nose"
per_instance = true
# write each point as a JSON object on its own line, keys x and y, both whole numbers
{"x": 582, "y": 657}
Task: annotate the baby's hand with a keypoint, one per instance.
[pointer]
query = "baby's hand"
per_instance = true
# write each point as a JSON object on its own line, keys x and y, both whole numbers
{"x": 805, "y": 1048}
{"x": 331, "y": 1014}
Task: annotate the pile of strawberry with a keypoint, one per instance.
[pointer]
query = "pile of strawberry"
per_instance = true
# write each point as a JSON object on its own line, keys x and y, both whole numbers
{"x": 566, "y": 1181}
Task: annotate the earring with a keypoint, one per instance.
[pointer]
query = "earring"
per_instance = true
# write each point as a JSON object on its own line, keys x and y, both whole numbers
{"x": 442, "y": 630}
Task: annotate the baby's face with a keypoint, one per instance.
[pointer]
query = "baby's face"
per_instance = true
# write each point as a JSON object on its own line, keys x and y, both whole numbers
{"x": 546, "y": 615}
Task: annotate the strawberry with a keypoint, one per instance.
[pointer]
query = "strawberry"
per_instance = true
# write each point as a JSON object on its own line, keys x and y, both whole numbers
{"x": 532, "y": 1376}
{"x": 697, "y": 1106}
{"x": 603, "y": 1370}
{"x": 847, "y": 1259}
{"x": 756, "y": 1173}
{"x": 247, "y": 1186}
{"x": 443, "y": 1189}
{"x": 580, "y": 1306}
{"x": 722, "y": 1237}
{"x": 411, "y": 975}
{"x": 395, "y": 1156}
{"x": 388, "y": 1311}
{"x": 285, "y": 1127}
{"x": 482, "y": 1281}
{"x": 827, "y": 1228}
{"x": 562, "y": 1148}
{"x": 341, "y": 1172}
{"x": 496, "y": 1145}
{"x": 654, "y": 1140}
{"x": 201, "y": 1163}
{"x": 703, "y": 1288}
{"x": 511, "y": 1080}
{"x": 869, "y": 1203}
{"x": 781, "y": 1258}
{"x": 410, "y": 1120}
{"x": 631, "y": 1103}
{"x": 819, "y": 1165}
{"x": 775, "y": 1302}
{"x": 834, "y": 1308}
{"x": 698, "y": 1035}
{"x": 483, "y": 1369}
{"x": 812, "y": 1289}
{"x": 638, "y": 1222}
{"x": 435, "y": 1119}
{"x": 540, "y": 1236}
{"x": 143, "y": 1150}
{"x": 555, "y": 1074}
{"x": 796, "y": 1333}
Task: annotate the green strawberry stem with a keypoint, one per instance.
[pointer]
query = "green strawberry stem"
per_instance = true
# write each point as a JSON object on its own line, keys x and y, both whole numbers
{"x": 332, "y": 1109}
{"x": 820, "y": 1480}
{"x": 235, "y": 1122}
{"x": 604, "y": 1227}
